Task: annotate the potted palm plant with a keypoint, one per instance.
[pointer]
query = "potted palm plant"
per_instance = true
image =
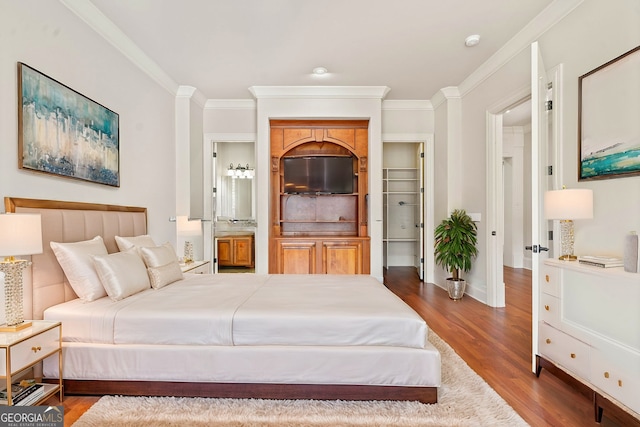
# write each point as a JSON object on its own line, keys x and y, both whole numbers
{"x": 455, "y": 247}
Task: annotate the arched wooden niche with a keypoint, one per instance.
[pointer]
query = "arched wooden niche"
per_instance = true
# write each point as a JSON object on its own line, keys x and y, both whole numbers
{"x": 319, "y": 233}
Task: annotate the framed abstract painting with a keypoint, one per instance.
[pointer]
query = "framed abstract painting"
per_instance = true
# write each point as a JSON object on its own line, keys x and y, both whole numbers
{"x": 609, "y": 119}
{"x": 62, "y": 132}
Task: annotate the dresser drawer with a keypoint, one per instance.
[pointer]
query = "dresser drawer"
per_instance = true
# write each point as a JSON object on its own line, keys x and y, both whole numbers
{"x": 550, "y": 310}
{"x": 27, "y": 352}
{"x": 550, "y": 283}
{"x": 564, "y": 350}
{"x": 617, "y": 373}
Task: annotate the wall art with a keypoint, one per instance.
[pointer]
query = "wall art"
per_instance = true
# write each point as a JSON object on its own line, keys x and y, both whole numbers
{"x": 609, "y": 119}
{"x": 62, "y": 132}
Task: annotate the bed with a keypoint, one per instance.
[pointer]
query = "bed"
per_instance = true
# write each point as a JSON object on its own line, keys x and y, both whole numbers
{"x": 225, "y": 335}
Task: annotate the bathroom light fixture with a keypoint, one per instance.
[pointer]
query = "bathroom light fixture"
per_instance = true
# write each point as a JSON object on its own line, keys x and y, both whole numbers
{"x": 320, "y": 71}
{"x": 240, "y": 171}
{"x": 472, "y": 40}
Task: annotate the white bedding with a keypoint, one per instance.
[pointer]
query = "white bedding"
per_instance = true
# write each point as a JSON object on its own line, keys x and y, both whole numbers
{"x": 249, "y": 310}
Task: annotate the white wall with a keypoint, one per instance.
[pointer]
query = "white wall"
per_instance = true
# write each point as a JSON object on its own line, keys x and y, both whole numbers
{"x": 595, "y": 33}
{"x": 51, "y": 39}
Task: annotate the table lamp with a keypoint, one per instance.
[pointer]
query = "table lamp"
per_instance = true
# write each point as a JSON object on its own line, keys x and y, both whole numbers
{"x": 20, "y": 234}
{"x": 567, "y": 205}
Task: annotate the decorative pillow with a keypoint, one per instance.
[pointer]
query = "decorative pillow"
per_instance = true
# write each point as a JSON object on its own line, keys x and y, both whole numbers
{"x": 165, "y": 275}
{"x": 158, "y": 256}
{"x": 122, "y": 274}
{"x": 162, "y": 263}
{"x": 126, "y": 243}
{"x": 75, "y": 260}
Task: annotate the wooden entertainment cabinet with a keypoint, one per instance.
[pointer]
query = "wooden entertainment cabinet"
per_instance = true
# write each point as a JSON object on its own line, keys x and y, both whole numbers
{"x": 319, "y": 233}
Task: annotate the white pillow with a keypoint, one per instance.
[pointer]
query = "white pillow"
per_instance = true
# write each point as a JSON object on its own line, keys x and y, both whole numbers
{"x": 122, "y": 274}
{"x": 126, "y": 243}
{"x": 162, "y": 263}
{"x": 165, "y": 275}
{"x": 75, "y": 260}
{"x": 158, "y": 256}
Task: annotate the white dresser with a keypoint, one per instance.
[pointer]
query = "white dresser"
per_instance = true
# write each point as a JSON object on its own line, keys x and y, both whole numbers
{"x": 590, "y": 328}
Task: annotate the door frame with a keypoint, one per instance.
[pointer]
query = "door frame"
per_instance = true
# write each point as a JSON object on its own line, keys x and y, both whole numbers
{"x": 428, "y": 177}
{"x": 495, "y": 191}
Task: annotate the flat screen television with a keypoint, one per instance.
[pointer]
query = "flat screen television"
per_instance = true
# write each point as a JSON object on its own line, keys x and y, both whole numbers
{"x": 322, "y": 174}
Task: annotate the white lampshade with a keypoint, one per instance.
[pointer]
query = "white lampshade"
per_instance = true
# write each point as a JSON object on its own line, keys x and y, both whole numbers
{"x": 20, "y": 234}
{"x": 568, "y": 204}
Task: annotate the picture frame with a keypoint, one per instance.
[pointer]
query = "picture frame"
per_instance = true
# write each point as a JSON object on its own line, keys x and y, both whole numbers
{"x": 64, "y": 133}
{"x": 609, "y": 119}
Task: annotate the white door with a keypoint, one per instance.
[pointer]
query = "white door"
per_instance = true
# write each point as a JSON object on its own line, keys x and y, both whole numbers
{"x": 539, "y": 179}
{"x": 420, "y": 216}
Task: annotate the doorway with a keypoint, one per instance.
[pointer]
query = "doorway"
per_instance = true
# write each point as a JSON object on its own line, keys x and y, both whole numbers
{"x": 404, "y": 205}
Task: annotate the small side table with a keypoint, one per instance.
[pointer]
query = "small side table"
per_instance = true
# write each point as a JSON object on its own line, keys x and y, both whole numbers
{"x": 196, "y": 267}
{"x": 25, "y": 348}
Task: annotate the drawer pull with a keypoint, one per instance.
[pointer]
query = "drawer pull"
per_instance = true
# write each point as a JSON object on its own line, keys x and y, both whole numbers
{"x": 606, "y": 374}
{"x": 573, "y": 355}
{"x": 546, "y": 307}
{"x": 548, "y": 341}
{"x": 546, "y": 277}
{"x": 619, "y": 383}
{"x": 36, "y": 349}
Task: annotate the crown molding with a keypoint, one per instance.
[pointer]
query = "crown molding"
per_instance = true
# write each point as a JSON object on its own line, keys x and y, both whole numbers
{"x": 230, "y": 104}
{"x": 449, "y": 92}
{"x": 320, "y": 92}
{"x": 546, "y": 19}
{"x": 393, "y": 104}
{"x": 405, "y": 137}
{"x": 230, "y": 137}
{"x": 96, "y": 20}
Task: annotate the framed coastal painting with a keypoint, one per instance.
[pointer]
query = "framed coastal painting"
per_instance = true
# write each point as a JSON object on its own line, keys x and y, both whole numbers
{"x": 62, "y": 132}
{"x": 609, "y": 119}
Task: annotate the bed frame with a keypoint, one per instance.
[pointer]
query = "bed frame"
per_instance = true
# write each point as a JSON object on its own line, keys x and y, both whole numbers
{"x": 47, "y": 286}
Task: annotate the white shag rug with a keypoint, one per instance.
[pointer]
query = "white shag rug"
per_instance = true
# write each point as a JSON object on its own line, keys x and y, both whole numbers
{"x": 464, "y": 399}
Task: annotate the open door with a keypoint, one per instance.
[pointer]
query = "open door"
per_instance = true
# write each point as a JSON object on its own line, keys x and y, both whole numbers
{"x": 420, "y": 213}
{"x": 539, "y": 183}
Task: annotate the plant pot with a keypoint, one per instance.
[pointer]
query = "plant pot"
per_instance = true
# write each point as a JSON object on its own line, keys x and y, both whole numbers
{"x": 456, "y": 288}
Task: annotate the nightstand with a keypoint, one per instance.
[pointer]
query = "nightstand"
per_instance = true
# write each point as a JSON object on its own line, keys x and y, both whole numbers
{"x": 25, "y": 348}
{"x": 196, "y": 267}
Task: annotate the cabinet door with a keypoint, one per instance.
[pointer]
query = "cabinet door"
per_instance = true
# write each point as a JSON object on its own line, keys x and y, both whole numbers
{"x": 242, "y": 253}
{"x": 225, "y": 252}
{"x": 342, "y": 257}
{"x": 296, "y": 257}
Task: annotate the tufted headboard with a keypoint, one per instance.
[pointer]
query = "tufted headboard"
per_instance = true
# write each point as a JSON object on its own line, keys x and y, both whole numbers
{"x": 46, "y": 285}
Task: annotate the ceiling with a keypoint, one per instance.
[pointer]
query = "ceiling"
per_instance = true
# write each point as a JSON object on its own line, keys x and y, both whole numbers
{"x": 223, "y": 47}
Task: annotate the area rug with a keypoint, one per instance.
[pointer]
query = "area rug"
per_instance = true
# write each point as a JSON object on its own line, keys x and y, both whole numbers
{"x": 464, "y": 399}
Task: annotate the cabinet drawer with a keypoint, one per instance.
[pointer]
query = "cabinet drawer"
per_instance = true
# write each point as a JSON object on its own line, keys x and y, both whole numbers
{"x": 617, "y": 374}
{"x": 550, "y": 281}
{"x": 550, "y": 310}
{"x": 31, "y": 350}
{"x": 564, "y": 350}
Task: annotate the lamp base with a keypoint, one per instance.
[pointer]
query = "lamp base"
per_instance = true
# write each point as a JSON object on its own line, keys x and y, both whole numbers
{"x": 15, "y": 328}
{"x": 568, "y": 258}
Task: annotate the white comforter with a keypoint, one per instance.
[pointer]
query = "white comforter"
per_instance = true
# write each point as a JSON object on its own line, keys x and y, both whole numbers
{"x": 249, "y": 310}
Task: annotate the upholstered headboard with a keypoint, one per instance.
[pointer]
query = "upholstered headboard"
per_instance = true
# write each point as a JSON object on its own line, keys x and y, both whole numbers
{"x": 69, "y": 222}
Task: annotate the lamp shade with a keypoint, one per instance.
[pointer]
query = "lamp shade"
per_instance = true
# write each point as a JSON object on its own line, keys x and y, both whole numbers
{"x": 20, "y": 234}
{"x": 566, "y": 204}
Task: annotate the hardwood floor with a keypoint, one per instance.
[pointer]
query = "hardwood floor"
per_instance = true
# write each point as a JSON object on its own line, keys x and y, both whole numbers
{"x": 495, "y": 342}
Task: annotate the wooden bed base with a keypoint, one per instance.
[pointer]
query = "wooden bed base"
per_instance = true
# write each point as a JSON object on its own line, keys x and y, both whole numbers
{"x": 256, "y": 391}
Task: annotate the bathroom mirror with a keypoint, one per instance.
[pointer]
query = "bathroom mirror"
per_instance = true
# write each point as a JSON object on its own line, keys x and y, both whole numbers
{"x": 235, "y": 180}
{"x": 235, "y": 198}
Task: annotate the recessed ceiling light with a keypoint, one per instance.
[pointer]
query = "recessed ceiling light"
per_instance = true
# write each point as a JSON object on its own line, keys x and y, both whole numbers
{"x": 320, "y": 71}
{"x": 472, "y": 40}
